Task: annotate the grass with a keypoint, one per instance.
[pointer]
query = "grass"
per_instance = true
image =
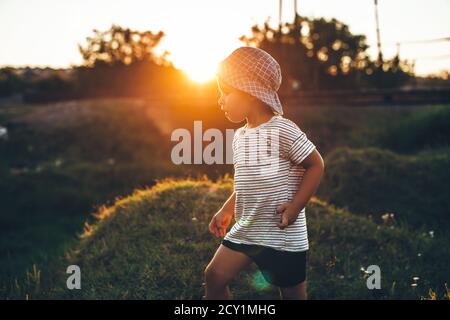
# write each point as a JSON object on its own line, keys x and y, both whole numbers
{"x": 426, "y": 129}
{"x": 155, "y": 244}
{"x": 62, "y": 161}
{"x": 361, "y": 127}
{"x": 377, "y": 181}
{"x": 81, "y": 156}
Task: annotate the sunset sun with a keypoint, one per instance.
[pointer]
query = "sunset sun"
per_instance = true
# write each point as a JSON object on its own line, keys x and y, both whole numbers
{"x": 198, "y": 56}
{"x": 200, "y": 64}
{"x": 200, "y": 72}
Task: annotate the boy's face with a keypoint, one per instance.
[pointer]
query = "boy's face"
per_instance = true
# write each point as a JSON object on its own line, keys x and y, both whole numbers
{"x": 234, "y": 102}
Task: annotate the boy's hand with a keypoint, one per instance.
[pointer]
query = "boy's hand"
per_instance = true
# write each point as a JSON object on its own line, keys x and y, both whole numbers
{"x": 219, "y": 223}
{"x": 288, "y": 215}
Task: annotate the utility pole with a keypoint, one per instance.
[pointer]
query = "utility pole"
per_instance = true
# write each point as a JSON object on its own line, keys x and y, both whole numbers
{"x": 380, "y": 54}
{"x": 279, "y": 14}
{"x": 296, "y": 16}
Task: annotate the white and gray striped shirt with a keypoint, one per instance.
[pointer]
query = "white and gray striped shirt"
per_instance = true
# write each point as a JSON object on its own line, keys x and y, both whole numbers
{"x": 267, "y": 164}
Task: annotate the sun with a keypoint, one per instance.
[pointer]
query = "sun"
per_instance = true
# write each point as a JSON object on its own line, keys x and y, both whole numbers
{"x": 197, "y": 58}
{"x": 199, "y": 69}
{"x": 200, "y": 73}
{"x": 198, "y": 50}
{"x": 200, "y": 65}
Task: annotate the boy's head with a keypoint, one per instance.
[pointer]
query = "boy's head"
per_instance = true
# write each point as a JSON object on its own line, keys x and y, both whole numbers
{"x": 248, "y": 77}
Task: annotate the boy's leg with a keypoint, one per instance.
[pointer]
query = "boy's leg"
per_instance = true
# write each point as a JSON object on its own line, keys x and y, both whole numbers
{"x": 224, "y": 267}
{"x": 297, "y": 292}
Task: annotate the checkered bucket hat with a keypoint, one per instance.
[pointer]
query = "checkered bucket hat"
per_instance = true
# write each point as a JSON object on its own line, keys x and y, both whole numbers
{"x": 255, "y": 72}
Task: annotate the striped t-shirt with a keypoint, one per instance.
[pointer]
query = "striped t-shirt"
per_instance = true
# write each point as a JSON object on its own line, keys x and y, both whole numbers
{"x": 267, "y": 172}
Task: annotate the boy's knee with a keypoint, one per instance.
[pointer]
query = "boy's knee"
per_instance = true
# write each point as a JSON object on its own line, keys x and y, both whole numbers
{"x": 297, "y": 292}
{"x": 215, "y": 277}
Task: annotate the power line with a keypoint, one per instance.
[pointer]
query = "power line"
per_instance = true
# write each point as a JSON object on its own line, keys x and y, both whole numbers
{"x": 423, "y": 42}
{"x": 426, "y": 41}
{"x": 440, "y": 57}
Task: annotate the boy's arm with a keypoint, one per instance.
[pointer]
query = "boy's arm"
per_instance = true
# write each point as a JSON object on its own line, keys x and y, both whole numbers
{"x": 220, "y": 221}
{"x": 314, "y": 166}
{"x": 228, "y": 206}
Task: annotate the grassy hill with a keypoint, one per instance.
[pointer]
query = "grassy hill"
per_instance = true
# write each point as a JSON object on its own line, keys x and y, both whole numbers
{"x": 64, "y": 161}
{"x": 61, "y": 161}
{"x": 155, "y": 244}
{"x": 377, "y": 181}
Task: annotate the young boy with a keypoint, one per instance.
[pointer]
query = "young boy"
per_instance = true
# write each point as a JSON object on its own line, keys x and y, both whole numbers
{"x": 277, "y": 170}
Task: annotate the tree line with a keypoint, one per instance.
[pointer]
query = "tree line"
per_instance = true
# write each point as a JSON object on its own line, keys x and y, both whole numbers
{"x": 314, "y": 54}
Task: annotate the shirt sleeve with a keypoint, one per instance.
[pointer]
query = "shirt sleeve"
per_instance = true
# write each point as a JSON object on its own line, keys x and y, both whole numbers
{"x": 301, "y": 148}
{"x": 294, "y": 144}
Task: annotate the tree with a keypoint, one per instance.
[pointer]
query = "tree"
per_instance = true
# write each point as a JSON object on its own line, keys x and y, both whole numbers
{"x": 389, "y": 73}
{"x": 10, "y": 82}
{"x": 123, "y": 62}
{"x": 319, "y": 54}
{"x": 122, "y": 46}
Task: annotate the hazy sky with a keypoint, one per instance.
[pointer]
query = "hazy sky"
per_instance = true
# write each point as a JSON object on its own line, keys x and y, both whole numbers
{"x": 47, "y": 32}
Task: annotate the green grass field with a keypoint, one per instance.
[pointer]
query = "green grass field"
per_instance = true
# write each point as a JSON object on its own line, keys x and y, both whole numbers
{"x": 155, "y": 244}
{"x": 63, "y": 162}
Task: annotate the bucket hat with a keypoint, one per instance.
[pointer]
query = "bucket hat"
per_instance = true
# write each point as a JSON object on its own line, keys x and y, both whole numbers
{"x": 255, "y": 72}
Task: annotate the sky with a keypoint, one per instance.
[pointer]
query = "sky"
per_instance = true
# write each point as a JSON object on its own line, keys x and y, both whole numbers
{"x": 28, "y": 28}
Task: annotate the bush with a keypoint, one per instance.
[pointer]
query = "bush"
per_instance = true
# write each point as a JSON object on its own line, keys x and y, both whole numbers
{"x": 375, "y": 181}
{"x": 428, "y": 128}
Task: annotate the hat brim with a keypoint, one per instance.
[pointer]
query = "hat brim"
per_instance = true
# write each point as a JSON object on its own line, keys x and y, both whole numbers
{"x": 263, "y": 94}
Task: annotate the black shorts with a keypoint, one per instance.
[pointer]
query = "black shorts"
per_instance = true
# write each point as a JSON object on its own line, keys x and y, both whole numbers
{"x": 279, "y": 268}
